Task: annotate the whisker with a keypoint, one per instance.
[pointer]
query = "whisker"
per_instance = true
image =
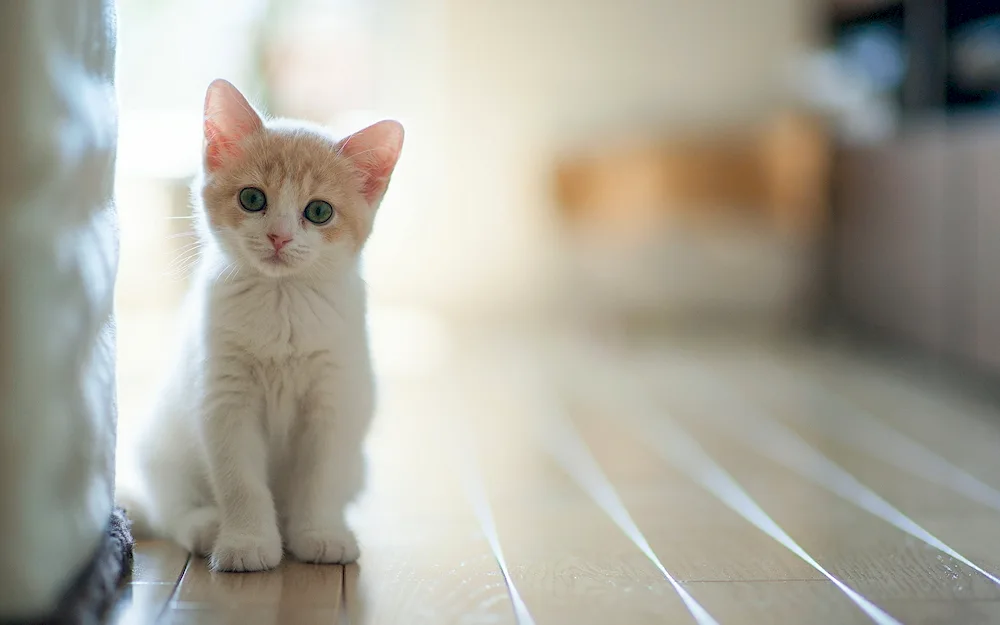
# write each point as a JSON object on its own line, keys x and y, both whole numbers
{"x": 219, "y": 275}
{"x": 183, "y": 273}
{"x": 185, "y": 256}
{"x": 185, "y": 260}
{"x": 187, "y": 233}
{"x": 189, "y": 246}
{"x": 233, "y": 275}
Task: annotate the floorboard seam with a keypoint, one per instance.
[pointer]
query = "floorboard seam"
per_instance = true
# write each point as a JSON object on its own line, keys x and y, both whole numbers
{"x": 173, "y": 591}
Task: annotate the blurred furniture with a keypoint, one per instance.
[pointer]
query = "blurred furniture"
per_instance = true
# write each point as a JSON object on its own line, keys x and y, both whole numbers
{"x": 719, "y": 224}
{"x": 917, "y": 247}
{"x": 931, "y": 55}
{"x": 917, "y": 216}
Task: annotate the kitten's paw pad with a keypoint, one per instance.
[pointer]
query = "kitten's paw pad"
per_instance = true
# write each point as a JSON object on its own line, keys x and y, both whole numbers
{"x": 337, "y": 546}
{"x": 245, "y": 552}
{"x": 198, "y": 530}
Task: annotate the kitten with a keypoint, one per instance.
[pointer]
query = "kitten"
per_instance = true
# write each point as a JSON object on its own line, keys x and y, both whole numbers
{"x": 255, "y": 444}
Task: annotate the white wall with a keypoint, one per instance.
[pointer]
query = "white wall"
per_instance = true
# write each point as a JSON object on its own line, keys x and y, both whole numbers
{"x": 491, "y": 89}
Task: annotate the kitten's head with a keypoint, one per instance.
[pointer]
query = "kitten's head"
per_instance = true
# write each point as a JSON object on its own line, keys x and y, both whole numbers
{"x": 285, "y": 198}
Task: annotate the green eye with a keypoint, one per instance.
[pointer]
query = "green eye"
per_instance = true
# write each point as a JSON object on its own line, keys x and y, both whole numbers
{"x": 318, "y": 212}
{"x": 253, "y": 200}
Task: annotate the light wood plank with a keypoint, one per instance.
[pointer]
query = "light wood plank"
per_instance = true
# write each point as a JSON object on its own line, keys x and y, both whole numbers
{"x": 781, "y": 603}
{"x": 158, "y": 561}
{"x": 424, "y": 556}
{"x": 963, "y": 429}
{"x": 778, "y": 603}
{"x": 257, "y": 615}
{"x": 140, "y": 604}
{"x": 156, "y": 572}
{"x": 930, "y": 612}
{"x": 697, "y": 537}
{"x": 803, "y": 403}
{"x": 292, "y": 584}
{"x": 876, "y": 559}
{"x": 570, "y": 562}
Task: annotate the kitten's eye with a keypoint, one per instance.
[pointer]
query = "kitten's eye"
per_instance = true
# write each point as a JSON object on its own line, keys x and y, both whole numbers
{"x": 253, "y": 200}
{"x": 318, "y": 212}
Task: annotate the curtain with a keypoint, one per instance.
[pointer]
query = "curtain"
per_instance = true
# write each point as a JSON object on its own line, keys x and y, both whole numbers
{"x": 58, "y": 259}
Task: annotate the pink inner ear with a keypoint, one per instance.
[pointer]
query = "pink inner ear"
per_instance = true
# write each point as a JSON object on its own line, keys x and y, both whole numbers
{"x": 376, "y": 177}
{"x": 217, "y": 148}
{"x": 229, "y": 119}
{"x": 374, "y": 152}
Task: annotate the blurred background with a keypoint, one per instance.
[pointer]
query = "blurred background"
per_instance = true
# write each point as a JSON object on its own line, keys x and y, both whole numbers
{"x": 730, "y": 208}
{"x": 696, "y": 165}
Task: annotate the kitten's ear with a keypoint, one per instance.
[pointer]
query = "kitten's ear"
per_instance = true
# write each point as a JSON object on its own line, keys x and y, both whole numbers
{"x": 229, "y": 119}
{"x": 374, "y": 152}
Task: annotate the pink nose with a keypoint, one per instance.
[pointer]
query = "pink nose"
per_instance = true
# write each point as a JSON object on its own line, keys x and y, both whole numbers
{"x": 279, "y": 241}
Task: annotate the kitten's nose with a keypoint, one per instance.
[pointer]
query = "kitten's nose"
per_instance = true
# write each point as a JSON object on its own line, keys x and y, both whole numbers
{"x": 279, "y": 241}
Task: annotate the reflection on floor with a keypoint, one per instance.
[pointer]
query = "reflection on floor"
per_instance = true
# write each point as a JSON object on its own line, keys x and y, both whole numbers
{"x": 571, "y": 483}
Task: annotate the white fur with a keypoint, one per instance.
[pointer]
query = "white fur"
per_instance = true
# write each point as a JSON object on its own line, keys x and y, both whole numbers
{"x": 258, "y": 433}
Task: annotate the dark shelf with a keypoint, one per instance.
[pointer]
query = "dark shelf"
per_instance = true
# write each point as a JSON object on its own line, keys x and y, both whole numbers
{"x": 846, "y": 14}
{"x": 943, "y": 68}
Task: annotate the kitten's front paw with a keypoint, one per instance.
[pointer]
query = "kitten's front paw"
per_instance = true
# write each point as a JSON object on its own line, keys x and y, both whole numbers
{"x": 336, "y": 546}
{"x": 245, "y": 552}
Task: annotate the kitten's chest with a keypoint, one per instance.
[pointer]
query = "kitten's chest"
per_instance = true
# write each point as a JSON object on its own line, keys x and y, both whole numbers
{"x": 286, "y": 322}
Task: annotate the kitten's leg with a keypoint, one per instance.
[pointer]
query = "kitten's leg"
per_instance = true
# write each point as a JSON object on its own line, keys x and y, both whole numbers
{"x": 192, "y": 525}
{"x": 248, "y": 537}
{"x": 327, "y": 474}
{"x": 174, "y": 494}
{"x": 198, "y": 529}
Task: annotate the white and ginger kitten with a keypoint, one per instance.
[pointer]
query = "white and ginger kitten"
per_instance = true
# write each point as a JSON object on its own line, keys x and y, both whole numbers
{"x": 254, "y": 447}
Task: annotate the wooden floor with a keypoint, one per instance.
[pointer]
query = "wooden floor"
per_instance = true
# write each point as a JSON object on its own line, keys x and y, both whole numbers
{"x": 669, "y": 483}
